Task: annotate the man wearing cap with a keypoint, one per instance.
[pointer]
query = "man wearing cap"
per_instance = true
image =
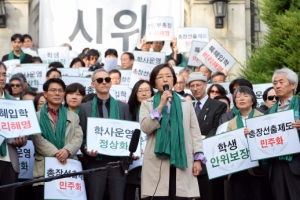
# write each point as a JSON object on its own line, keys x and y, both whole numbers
{"x": 208, "y": 113}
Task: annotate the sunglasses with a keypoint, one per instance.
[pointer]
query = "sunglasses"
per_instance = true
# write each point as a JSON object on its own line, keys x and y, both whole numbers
{"x": 100, "y": 80}
{"x": 270, "y": 98}
{"x": 215, "y": 91}
{"x": 13, "y": 85}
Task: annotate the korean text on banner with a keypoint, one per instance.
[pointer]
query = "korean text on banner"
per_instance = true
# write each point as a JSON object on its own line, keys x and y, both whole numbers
{"x": 67, "y": 188}
{"x": 140, "y": 71}
{"x": 122, "y": 92}
{"x": 195, "y": 49}
{"x": 26, "y": 160}
{"x": 153, "y": 58}
{"x": 139, "y": 162}
{"x": 34, "y": 73}
{"x": 110, "y": 136}
{"x": 18, "y": 118}
{"x": 55, "y": 54}
{"x": 272, "y": 135}
{"x": 216, "y": 57}
{"x": 227, "y": 153}
{"x": 185, "y": 37}
{"x": 125, "y": 76}
{"x": 159, "y": 29}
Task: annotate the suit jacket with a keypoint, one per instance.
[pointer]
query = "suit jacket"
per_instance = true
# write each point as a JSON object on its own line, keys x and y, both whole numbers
{"x": 85, "y": 111}
{"x": 43, "y": 147}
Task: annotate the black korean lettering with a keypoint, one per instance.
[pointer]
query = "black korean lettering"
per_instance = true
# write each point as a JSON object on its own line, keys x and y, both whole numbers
{"x": 273, "y": 129}
{"x": 50, "y": 172}
{"x": 288, "y": 126}
{"x": 252, "y": 134}
{"x": 267, "y": 130}
{"x": 211, "y": 49}
{"x": 80, "y": 26}
{"x": 281, "y": 127}
{"x": 222, "y": 147}
{"x": 259, "y": 132}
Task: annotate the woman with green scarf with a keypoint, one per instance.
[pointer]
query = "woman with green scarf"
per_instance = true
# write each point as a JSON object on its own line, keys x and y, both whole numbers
{"x": 245, "y": 184}
{"x": 73, "y": 97}
{"x": 174, "y": 144}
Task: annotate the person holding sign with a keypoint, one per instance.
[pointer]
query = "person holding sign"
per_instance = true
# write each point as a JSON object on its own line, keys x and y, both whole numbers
{"x": 284, "y": 171}
{"x": 104, "y": 106}
{"x": 246, "y": 184}
{"x": 167, "y": 119}
{"x": 61, "y": 135}
{"x": 74, "y": 95}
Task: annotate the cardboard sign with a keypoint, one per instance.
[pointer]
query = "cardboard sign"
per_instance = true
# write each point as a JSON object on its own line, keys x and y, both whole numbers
{"x": 153, "y": 58}
{"x": 159, "y": 29}
{"x": 55, "y": 54}
{"x": 185, "y": 37}
{"x": 26, "y": 160}
{"x": 140, "y": 71}
{"x": 196, "y": 47}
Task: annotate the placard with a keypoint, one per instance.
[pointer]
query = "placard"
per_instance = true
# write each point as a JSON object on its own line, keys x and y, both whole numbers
{"x": 153, "y": 58}
{"x": 125, "y": 77}
{"x": 272, "y": 135}
{"x": 227, "y": 153}
{"x": 259, "y": 89}
{"x": 67, "y": 188}
{"x": 186, "y": 35}
{"x": 69, "y": 71}
{"x": 26, "y": 160}
{"x": 139, "y": 162}
{"x": 159, "y": 29}
{"x": 140, "y": 71}
{"x": 18, "y": 118}
{"x": 87, "y": 74}
{"x": 55, "y": 54}
{"x": 110, "y": 136}
{"x": 196, "y": 47}
{"x": 34, "y": 73}
{"x": 216, "y": 57}
{"x": 110, "y": 64}
{"x": 11, "y": 64}
{"x": 177, "y": 69}
{"x": 82, "y": 69}
{"x": 222, "y": 128}
{"x": 122, "y": 92}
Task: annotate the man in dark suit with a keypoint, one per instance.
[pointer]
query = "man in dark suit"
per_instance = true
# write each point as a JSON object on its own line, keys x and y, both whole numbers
{"x": 96, "y": 182}
{"x": 208, "y": 112}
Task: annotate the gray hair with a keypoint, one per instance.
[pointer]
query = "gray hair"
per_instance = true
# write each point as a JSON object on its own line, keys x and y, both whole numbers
{"x": 17, "y": 79}
{"x": 290, "y": 74}
{"x": 245, "y": 90}
{"x": 97, "y": 71}
{"x": 218, "y": 73}
{"x": 188, "y": 70}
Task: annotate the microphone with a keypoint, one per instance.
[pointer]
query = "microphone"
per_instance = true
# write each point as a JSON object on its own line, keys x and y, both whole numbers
{"x": 132, "y": 148}
{"x": 166, "y": 87}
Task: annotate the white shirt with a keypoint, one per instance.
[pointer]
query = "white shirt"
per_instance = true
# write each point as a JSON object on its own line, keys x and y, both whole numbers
{"x": 5, "y": 158}
{"x": 202, "y": 101}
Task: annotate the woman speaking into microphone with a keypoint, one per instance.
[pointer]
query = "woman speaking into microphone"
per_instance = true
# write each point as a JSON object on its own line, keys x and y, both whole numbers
{"x": 174, "y": 146}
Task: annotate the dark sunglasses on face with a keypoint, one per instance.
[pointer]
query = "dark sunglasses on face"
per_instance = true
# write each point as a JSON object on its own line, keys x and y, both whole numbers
{"x": 13, "y": 85}
{"x": 270, "y": 98}
{"x": 100, "y": 80}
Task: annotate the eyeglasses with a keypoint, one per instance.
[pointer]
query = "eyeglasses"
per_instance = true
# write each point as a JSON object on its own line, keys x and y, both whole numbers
{"x": 215, "y": 91}
{"x": 13, "y": 85}
{"x": 270, "y": 98}
{"x": 93, "y": 58}
{"x": 168, "y": 76}
{"x": 53, "y": 90}
{"x": 100, "y": 80}
{"x": 146, "y": 91}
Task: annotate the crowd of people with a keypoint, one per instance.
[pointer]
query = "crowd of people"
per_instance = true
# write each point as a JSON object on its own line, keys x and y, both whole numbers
{"x": 174, "y": 121}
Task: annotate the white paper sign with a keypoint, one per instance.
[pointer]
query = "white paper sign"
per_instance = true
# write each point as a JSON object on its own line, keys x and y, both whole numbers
{"x": 222, "y": 128}
{"x": 18, "y": 118}
{"x": 140, "y": 71}
{"x": 69, "y": 71}
{"x": 110, "y": 64}
{"x": 122, "y": 92}
{"x": 227, "y": 153}
{"x": 196, "y": 47}
{"x": 34, "y": 73}
{"x": 185, "y": 37}
{"x": 110, "y": 136}
{"x": 87, "y": 74}
{"x": 125, "y": 77}
{"x": 216, "y": 57}
{"x": 66, "y": 188}
{"x": 159, "y": 29}
{"x": 272, "y": 135}
{"x": 55, "y": 54}
{"x": 11, "y": 64}
{"x": 1, "y": 139}
{"x": 259, "y": 89}
{"x": 82, "y": 69}
{"x": 177, "y": 69}
{"x": 153, "y": 58}
{"x": 26, "y": 160}
{"x": 139, "y": 162}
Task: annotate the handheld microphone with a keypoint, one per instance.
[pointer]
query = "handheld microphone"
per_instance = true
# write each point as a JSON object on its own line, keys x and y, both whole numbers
{"x": 132, "y": 148}
{"x": 166, "y": 87}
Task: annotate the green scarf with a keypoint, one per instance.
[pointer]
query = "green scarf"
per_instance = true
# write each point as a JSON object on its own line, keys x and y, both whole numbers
{"x": 3, "y": 145}
{"x": 170, "y": 141}
{"x": 294, "y": 104}
{"x": 11, "y": 56}
{"x": 113, "y": 112}
{"x": 235, "y": 110}
{"x": 239, "y": 120}
{"x": 57, "y": 138}
{"x": 76, "y": 111}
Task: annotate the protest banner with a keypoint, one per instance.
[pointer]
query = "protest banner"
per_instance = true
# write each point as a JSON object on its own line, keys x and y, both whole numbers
{"x": 26, "y": 160}
{"x": 227, "y": 153}
{"x": 139, "y": 162}
{"x": 69, "y": 71}
{"x": 122, "y": 92}
{"x": 222, "y": 128}
{"x": 258, "y": 90}
{"x": 11, "y": 64}
{"x": 195, "y": 49}
{"x": 82, "y": 69}
{"x": 102, "y": 24}
{"x": 159, "y": 29}
{"x": 87, "y": 74}
{"x": 18, "y": 118}
{"x": 67, "y": 188}
{"x": 185, "y": 37}
{"x": 216, "y": 57}
{"x": 34, "y": 73}
{"x": 110, "y": 64}
{"x": 140, "y": 71}
{"x": 153, "y": 58}
{"x": 125, "y": 77}
{"x": 55, "y": 54}
{"x": 110, "y": 136}
{"x": 272, "y": 135}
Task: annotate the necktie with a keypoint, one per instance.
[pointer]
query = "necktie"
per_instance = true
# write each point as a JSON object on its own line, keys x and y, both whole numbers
{"x": 104, "y": 110}
{"x": 198, "y": 109}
